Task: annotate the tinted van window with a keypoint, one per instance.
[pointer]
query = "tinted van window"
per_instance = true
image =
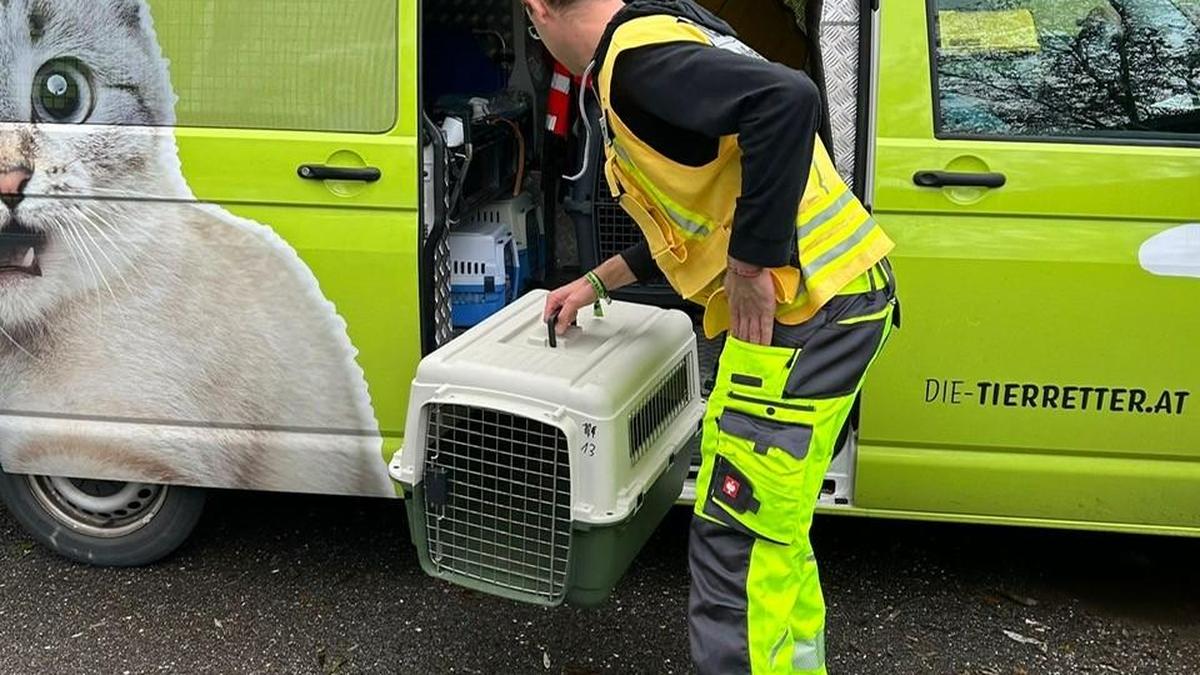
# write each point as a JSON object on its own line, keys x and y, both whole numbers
{"x": 1067, "y": 68}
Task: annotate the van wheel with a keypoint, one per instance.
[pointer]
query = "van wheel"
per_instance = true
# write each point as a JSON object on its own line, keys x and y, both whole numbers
{"x": 106, "y": 523}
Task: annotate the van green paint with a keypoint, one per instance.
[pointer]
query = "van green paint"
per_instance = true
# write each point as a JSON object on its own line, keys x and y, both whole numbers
{"x": 362, "y": 244}
{"x": 1035, "y": 282}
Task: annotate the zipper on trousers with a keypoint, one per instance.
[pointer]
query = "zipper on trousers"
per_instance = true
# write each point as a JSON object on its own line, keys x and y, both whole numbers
{"x": 777, "y": 404}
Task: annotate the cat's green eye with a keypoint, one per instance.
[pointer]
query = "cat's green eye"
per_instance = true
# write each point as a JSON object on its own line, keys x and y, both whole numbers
{"x": 62, "y": 93}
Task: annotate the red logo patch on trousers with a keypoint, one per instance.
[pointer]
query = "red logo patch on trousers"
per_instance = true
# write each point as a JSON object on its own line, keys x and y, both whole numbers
{"x": 731, "y": 487}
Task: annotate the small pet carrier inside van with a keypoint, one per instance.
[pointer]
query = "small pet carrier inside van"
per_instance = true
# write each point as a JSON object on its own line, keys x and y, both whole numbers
{"x": 522, "y": 216}
{"x": 484, "y": 271}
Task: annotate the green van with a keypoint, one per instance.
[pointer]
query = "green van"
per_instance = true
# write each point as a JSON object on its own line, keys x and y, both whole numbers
{"x": 230, "y": 231}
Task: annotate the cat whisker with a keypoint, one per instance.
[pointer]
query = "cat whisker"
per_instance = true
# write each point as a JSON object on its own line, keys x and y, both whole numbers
{"x": 93, "y": 269}
{"x": 100, "y": 250}
{"x": 95, "y": 220}
{"x": 97, "y": 217}
{"x": 88, "y": 252}
{"x": 16, "y": 344}
{"x": 129, "y": 250}
{"x": 127, "y": 195}
{"x": 103, "y": 209}
{"x": 73, "y": 162}
{"x": 88, "y": 261}
{"x": 100, "y": 216}
{"x": 72, "y": 244}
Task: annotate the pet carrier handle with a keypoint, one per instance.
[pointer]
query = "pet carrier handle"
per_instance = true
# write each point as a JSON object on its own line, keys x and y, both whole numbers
{"x": 551, "y": 323}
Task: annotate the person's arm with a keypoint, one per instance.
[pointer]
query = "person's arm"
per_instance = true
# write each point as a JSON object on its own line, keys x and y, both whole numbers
{"x": 615, "y": 273}
{"x": 569, "y": 299}
{"x": 641, "y": 263}
{"x": 773, "y": 110}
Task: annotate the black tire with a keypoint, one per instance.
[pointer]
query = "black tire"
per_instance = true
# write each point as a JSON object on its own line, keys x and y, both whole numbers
{"x": 150, "y": 523}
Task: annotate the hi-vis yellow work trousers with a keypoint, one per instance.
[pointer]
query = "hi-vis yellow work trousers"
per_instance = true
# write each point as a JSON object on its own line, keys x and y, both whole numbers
{"x": 773, "y": 418}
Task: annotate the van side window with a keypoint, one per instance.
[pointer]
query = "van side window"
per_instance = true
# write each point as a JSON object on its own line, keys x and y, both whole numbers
{"x": 283, "y": 64}
{"x": 311, "y": 65}
{"x": 1096, "y": 69}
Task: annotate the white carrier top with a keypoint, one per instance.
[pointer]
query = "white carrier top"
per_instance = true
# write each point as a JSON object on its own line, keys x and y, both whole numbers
{"x": 598, "y": 366}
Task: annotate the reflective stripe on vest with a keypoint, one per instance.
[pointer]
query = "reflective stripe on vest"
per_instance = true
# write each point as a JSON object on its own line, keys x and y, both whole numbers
{"x": 808, "y": 223}
{"x": 688, "y": 222}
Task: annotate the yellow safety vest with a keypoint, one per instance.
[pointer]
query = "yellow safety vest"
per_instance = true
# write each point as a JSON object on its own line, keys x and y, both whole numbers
{"x": 686, "y": 212}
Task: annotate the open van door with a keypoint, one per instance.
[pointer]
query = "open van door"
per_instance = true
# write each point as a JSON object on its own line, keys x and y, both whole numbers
{"x": 534, "y": 467}
{"x": 1038, "y": 166}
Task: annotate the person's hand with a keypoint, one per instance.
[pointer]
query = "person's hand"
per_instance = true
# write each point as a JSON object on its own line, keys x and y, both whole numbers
{"x": 569, "y": 299}
{"x": 751, "y": 295}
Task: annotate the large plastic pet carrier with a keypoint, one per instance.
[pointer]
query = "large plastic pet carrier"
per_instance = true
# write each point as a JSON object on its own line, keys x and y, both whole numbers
{"x": 536, "y": 469}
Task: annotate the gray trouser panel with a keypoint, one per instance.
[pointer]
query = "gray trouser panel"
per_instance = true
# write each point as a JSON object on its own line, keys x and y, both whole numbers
{"x": 719, "y": 559}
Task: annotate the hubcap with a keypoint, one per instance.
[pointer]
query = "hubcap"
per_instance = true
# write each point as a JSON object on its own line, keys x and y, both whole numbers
{"x": 98, "y": 508}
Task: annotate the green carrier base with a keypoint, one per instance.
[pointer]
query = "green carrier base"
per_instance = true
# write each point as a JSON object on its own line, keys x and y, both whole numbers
{"x": 598, "y": 557}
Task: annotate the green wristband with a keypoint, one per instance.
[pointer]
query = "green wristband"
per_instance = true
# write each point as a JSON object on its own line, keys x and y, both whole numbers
{"x": 601, "y": 292}
{"x": 598, "y": 286}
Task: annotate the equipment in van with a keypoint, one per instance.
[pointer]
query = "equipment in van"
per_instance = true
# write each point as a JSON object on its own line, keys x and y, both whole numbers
{"x": 522, "y": 216}
{"x": 455, "y": 60}
{"x": 491, "y": 161}
{"x": 484, "y": 270}
{"x": 536, "y": 472}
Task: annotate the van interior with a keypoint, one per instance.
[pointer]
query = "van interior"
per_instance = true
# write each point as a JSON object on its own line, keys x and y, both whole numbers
{"x": 499, "y": 216}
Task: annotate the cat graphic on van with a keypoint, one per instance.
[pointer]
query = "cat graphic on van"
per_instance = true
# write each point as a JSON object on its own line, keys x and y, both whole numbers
{"x": 144, "y": 336}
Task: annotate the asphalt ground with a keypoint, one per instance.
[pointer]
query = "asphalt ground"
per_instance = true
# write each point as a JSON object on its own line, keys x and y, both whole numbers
{"x": 293, "y": 584}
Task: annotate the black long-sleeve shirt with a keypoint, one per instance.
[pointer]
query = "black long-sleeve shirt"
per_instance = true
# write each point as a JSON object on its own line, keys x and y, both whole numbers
{"x": 680, "y": 98}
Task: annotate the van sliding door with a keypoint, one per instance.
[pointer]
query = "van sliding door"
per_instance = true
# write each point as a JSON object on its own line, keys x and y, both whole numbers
{"x": 233, "y": 279}
{"x": 1038, "y": 166}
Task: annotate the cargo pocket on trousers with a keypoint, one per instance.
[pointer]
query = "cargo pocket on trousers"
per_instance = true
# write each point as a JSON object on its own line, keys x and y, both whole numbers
{"x": 758, "y": 476}
{"x": 834, "y": 360}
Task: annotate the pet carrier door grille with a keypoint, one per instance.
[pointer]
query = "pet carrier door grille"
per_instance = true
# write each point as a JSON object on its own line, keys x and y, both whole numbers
{"x": 498, "y": 499}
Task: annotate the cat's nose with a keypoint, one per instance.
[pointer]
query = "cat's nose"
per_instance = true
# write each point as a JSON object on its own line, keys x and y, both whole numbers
{"x": 12, "y": 186}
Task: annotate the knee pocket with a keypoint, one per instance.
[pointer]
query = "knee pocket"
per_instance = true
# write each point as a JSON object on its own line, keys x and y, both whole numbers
{"x": 758, "y": 476}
